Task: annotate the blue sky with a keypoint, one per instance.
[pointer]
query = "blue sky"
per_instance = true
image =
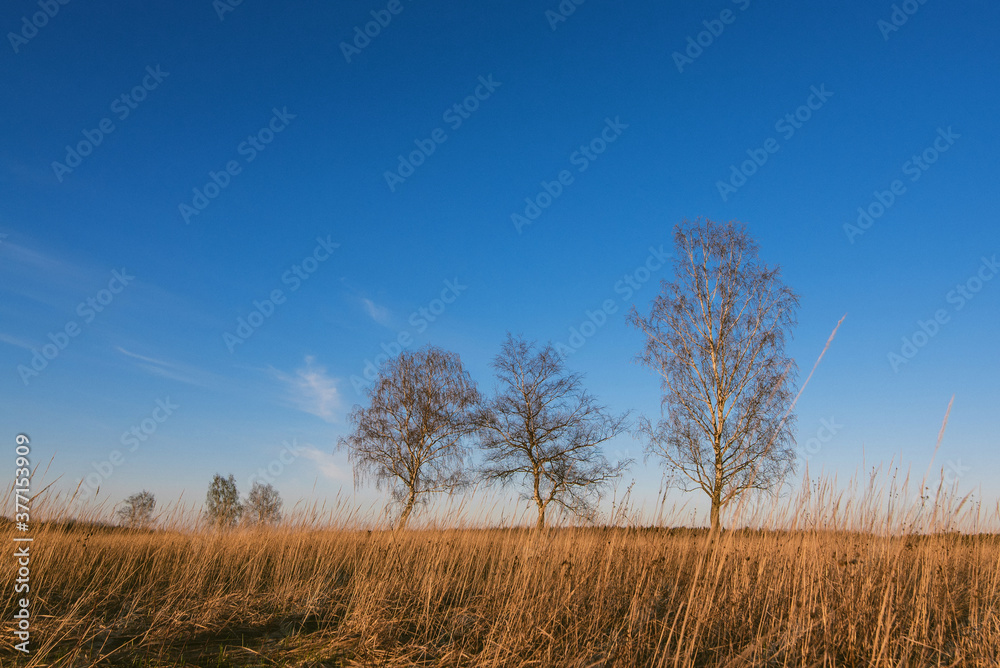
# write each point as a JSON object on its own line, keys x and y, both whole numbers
{"x": 235, "y": 151}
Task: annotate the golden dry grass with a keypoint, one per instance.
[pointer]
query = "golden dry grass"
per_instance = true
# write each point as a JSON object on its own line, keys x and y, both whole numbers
{"x": 805, "y": 592}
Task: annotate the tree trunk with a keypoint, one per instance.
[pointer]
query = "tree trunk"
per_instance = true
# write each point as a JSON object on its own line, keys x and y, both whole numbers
{"x": 405, "y": 515}
{"x": 540, "y": 524}
{"x": 717, "y": 486}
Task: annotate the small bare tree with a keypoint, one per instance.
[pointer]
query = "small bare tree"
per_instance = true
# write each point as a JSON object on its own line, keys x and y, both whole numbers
{"x": 413, "y": 435}
{"x": 222, "y": 503}
{"x": 263, "y": 505}
{"x": 137, "y": 512}
{"x": 543, "y": 430}
{"x": 716, "y": 334}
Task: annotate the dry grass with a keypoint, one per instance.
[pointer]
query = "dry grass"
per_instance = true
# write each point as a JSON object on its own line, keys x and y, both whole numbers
{"x": 835, "y": 583}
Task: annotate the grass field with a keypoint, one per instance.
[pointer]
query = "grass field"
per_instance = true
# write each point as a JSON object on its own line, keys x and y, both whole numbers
{"x": 876, "y": 581}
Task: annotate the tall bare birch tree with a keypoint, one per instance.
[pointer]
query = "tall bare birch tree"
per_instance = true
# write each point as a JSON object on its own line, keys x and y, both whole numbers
{"x": 412, "y": 436}
{"x": 716, "y": 334}
{"x": 544, "y": 431}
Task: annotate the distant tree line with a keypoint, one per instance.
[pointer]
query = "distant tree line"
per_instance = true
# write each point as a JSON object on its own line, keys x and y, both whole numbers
{"x": 223, "y": 508}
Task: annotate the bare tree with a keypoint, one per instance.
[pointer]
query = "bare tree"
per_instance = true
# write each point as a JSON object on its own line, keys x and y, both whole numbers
{"x": 263, "y": 505}
{"x": 222, "y": 504}
{"x": 138, "y": 510}
{"x": 716, "y": 334}
{"x": 543, "y": 430}
{"x": 413, "y": 435}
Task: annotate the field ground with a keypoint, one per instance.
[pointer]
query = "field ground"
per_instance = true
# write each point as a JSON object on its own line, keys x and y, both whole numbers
{"x": 507, "y": 597}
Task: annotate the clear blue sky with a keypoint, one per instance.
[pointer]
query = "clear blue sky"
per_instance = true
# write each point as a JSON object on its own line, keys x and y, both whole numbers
{"x": 641, "y": 123}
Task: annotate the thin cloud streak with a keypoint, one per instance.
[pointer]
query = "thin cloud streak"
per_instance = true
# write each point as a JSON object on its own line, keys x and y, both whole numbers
{"x": 12, "y": 341}
{"x": 379, "y": 314}
{"x": 180, "y": 372}
{"x": 313, "y": 391}
{"x": 326, "y": 463}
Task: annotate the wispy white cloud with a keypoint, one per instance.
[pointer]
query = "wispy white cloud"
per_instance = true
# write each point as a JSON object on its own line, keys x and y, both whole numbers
{"x": 313, "y": 391}
{"x": 35, "y": 259}
{"x": 379, "y": 314}
{"x": 10, "y": 340}
{"x": 325, "y": 462}
{"x": 180, "y": 372}
{"x": 41, "y": 277}
{"x": 141, "y": 357}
